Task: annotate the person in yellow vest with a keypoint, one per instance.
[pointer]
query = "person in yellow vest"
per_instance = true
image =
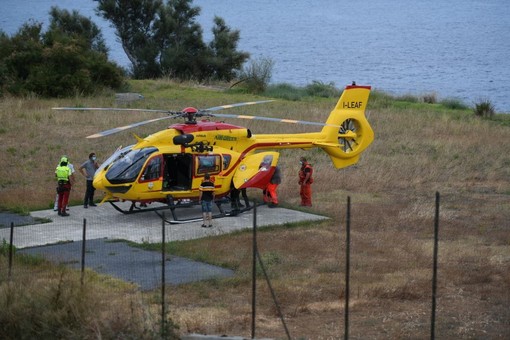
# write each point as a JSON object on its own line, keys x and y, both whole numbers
{"x": 55, "y": 205}
{"x": 65, "y": 179}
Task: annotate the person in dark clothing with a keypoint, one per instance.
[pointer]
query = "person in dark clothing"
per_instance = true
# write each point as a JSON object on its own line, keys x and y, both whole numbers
{"x": 206, "y": 198}
{"x": 235, "y": 200}
{"x": 88, "y": 169}
{"x": 245, "y": 198}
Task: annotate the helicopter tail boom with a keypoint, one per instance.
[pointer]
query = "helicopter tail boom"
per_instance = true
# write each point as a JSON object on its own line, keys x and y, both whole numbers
{"x": 347, "y": 132}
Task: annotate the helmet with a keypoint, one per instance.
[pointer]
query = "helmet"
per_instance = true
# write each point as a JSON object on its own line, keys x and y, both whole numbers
{"x": 64, "y": 159}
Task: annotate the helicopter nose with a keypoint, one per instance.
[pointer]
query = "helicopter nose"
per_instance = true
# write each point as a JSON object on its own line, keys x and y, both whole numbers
{"x": 99, "y": 183}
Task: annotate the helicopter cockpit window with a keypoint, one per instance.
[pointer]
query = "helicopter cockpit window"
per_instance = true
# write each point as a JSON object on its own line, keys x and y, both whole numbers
{"x": 208, "y": 164}
{"x": 226, "y": 161}
{"x": 127, "y": 168}
{"x": 119, "y": 153}
{"x": 152, "y": 170}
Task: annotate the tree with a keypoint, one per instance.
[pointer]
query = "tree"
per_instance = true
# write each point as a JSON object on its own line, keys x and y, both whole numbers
{"x": 183, "y": 51}
{"x": 69, "y": 58}
{"x": 225, "y": 60}
{"x": 77, "y": 26}
{"x": 134, "y": 21}
{"x": 165, "y": 39}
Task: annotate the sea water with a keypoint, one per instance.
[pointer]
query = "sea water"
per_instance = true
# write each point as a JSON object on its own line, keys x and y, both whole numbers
{"x": 454, "y": 49}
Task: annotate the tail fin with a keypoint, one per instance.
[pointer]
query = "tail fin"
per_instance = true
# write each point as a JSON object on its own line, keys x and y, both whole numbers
{"x": 347, "y": 132}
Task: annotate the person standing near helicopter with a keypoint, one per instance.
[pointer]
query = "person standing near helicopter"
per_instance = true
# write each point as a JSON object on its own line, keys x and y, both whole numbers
{"x": 206, "y": 198}
{"x": 305, "y": 182}
{"x": 88, "y": 169}
{"x": 270, "y": 194}
{"x": 55, "y": 205}
{"x": 65, "y": 179}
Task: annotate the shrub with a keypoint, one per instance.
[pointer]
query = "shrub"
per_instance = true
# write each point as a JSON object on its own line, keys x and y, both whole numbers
{"x": 484, "y": 109}
{"x": 320, "y": 89}
{"x": 407, "y": 98}
{"x": 4, "y": 248}
{"x": 430, "y": 98}
{"x": 256, "y": 76}
{"x": 285, "y": 91}
{"x": 68, "y": 59}
{"x": 454, "y": 104}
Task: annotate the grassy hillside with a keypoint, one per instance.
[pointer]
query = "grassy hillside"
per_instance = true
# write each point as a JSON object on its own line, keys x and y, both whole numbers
{"x": 419, "y": 149}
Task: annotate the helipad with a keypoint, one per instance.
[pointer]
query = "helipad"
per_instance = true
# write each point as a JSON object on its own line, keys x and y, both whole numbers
{"x": 104, "y": 222}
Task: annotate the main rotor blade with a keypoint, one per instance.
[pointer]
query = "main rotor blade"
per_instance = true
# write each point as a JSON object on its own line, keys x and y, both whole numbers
{"x": 122, "y": 128}
{"x": 174, "y": 114}
{"x": 270, "y": 119}
{"x": 109, "y": 109}
{"x": 216, "y": 108}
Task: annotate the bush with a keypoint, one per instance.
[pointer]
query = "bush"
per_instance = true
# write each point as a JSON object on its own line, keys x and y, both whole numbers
{"x": 4, "y": 248}
{"x": 454, "y": 104}
{"x": 484, "y": 109}
{"x": 407, "y": 98}
{"x": 320, "y": 89}
{"x": 285, "y": 91}
{"x": 57, "y": 63}
{"x": 430, "y": 98}
{"x": 256, "y": 76}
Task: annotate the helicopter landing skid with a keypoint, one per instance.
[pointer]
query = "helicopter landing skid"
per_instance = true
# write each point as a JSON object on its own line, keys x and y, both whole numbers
{"x": 187, "y": 220}
{"x": 133, "y": 209}
{"x": 236, "y": 212}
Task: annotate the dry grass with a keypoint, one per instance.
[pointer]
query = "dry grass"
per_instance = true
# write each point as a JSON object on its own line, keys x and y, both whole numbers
{"x": 42, "y": 301}
{"x": 418, "y": 150}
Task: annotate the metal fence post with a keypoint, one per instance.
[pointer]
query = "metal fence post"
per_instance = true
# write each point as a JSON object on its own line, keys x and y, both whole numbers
{"x": 254, "y": 271}
{"x": 434, "y": 270}
{"x": 11, "y": 237}
{"x": 83, "y": 248}
{"x": 347, "y": 266}
{"x": 163, "y": 279}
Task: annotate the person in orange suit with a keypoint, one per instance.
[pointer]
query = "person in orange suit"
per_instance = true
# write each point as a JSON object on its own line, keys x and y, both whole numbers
{"x": 270, "y": 194}
{"x": 305, "y": 182}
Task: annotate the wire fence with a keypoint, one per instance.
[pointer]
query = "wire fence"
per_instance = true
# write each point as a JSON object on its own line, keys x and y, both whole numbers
{"x": 98, "y": 243}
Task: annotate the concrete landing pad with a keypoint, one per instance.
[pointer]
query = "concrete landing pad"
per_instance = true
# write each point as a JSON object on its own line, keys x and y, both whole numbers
{"x": 60, "y": 240}
{"x": 104, "y": 222}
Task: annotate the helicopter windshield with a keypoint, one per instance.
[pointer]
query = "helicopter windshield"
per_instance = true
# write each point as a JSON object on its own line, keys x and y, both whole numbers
{"x": 127, "y": 166}
{"x": 116, "y": 155}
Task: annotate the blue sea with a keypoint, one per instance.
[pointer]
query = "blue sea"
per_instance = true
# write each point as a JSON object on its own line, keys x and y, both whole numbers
{"x": 455, "y": 49}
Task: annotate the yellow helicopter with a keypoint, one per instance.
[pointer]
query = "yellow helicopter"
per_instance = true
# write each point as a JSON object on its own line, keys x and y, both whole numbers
{"x": 169, "y": 166}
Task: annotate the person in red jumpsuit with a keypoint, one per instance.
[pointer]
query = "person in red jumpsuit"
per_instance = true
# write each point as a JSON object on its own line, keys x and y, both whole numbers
{"x": 270, "y": 194}
{"x": 305, "y": 182}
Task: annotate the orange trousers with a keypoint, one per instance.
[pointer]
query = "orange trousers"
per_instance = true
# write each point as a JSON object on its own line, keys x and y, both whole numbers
{"x": 306, "y": 195}
{"x": 270, "y": 195}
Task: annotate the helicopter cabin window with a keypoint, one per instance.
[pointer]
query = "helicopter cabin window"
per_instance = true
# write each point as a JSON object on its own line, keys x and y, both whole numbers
{"x": 152, "y": 169}
{"x": 226, "y": 161}
{"x": 208, "y": 164}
